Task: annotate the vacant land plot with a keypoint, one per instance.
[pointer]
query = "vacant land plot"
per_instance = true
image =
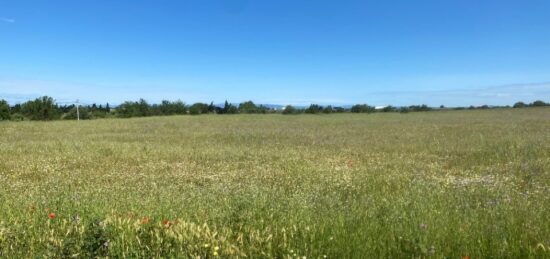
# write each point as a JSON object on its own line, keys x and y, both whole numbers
{"x": 436, "y": 184}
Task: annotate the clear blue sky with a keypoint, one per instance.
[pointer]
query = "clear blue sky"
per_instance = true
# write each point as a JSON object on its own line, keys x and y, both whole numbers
{"x": 282, "y": 51}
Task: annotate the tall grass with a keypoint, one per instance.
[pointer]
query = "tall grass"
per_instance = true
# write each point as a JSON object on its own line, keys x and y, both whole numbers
{"x": 439, "y": 184}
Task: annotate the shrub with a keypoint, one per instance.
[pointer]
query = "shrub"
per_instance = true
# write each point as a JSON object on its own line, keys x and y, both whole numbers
{"x": 362, "y": 108}
{"x": 313, "y": 109}
{"x": 84, "y": 114}
{"x": 197, "y": 109}
{"x": 4, "y": 110}
{"x": 327, "y": 109}
{"x": 248, "y": 107}
{"x": 519, "y": 105}
{"x": 42, "y": 108}
{"x": 289, "y": 109}
{"x": 539, "y": 103}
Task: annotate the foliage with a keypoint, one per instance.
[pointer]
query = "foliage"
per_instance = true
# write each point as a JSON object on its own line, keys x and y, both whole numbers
{"x": 419, "y": 108}
{"x": 199, "y": 108}
{"x": 171, "y": 108}
{"x": 289, "y": 109}
{"x": 229, "y": 108}
{"x": 362, "y": 108}
{"x": 4, "y": 110}
{"x": 83, "y": 114}
{"x": 313, "y": 109}
{"x": 43, "y": 108}
{"x": 388, "y": 108}
{"x": 133, "y": 109}
{"x": 248, "y": 107}
{"x": 204, "y": 108}
{"x": 539, "y": 103}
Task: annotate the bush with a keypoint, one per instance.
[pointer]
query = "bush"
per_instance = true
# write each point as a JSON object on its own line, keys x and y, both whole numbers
{"x": 18, "y": 117}
{"x": 84, "y": 114}
{"x": 539, "y": 103}
{"x": 313, "y": 109}
{"x": 327, "y": 109}
{"x": 389, "y": 108}
{"x": 133, "y": 109}
{"x": 172, "y": 108}
{"x": 519, "y": 105}
{"x": 42, "y": 108}
{"x": 228, "y": 109}
{"x": 194, "y": 110}
{"x": 289, "y": 109}
{"x": 4, "y": 110}
{"x": 248, "y": 107}
{"x": 199, "y": 108}
{"x": 362, "y": 108}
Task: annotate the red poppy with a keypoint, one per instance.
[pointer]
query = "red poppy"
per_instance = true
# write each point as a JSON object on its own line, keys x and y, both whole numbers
{"x": 145, "y": 220}
{"x": 51, "y": 215}
{"x": 166, "y": 222}
{"x": 466, "y": 257}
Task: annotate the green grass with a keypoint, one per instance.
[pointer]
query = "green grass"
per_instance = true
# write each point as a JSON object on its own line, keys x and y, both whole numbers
{"x": 436, "y": 184}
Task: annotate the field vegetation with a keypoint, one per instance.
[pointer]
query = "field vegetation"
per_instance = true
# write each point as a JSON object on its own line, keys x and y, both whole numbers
{"x": 448, "y": 184}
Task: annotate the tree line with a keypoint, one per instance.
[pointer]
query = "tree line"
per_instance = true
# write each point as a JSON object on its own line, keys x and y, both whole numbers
{"x": 45, "y": 108}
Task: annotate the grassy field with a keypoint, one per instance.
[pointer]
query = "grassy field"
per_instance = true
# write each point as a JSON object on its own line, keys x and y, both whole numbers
{"x": 436, "y": 184}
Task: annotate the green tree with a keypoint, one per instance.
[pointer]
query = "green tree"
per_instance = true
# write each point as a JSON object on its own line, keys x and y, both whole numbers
{"x": 328, "y": 109}
{"x": 248, "y": 107}
{"x": 194, "y": 110}
{"x": 538, "y": 103}
{"x": 389, "y": 108}
{"x": 4, "y": 110}
{"x": 362, "y": 108}
{"x": 199, "y": 108}
{"x": 84, "y": 113}
{"x": 134, "y": 109}
{"x": 519, "y": 105}
{"x": 289, "y": 109}
{"x": 211, "y": 108}
{"x": 313, "y": 109}
{"x": 42, "y": 108}
{"x": 229, "y": 108}
{"x": 171, "y": 108}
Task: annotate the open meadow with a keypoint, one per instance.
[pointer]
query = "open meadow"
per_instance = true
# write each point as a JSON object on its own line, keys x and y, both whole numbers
{"x": 447, "y": 184}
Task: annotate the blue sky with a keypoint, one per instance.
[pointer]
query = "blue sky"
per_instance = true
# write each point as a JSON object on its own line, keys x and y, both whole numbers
{"x": 283, "y": 52}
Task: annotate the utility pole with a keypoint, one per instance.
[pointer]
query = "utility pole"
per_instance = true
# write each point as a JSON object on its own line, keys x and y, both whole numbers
{"x": 77, "y": 111}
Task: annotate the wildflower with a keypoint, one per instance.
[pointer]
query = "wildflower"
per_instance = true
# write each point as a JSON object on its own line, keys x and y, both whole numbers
{"x": 216, "y": 248}
{"x": 215, "y": 253}
{"x": 166, "y": 223}
{"x": 51, "y": 215}
{"x": 206, "y": 245}
{"x": 466, "y": 257}
{"x": 423, "y": 226}
{"x": 145, "y": 220}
